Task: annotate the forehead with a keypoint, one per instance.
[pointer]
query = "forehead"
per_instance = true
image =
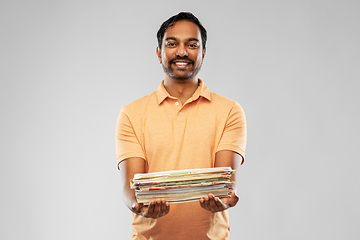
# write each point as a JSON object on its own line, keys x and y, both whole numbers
{"x": 183, "y": 30}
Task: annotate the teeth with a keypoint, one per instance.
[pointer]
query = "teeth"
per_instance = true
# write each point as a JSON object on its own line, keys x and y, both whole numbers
{"x": 181, "y": 63}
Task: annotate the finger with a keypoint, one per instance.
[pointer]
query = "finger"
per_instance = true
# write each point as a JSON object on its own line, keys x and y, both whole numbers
{"x": 219, "y": 204}
{"x": 150, "y": 210}
{"x": 206, "y": 198}
{"x": 163, "y": 207}
{"x": 202, "y": 203}
{"x": 207, "y": 201}
{"x": 212, "y": 203}
{"x": 167, "y": 207}
{"x": 157, "y": 209}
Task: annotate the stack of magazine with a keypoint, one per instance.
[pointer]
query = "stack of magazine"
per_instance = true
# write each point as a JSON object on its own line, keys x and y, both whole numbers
{"x": 182, "y": 185}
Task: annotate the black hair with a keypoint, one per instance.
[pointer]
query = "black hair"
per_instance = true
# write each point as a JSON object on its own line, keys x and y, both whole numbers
{"x": 181, "y": 16}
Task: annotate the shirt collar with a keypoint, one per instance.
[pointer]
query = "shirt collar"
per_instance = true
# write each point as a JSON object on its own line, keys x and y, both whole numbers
{"x": 202, "y": 90}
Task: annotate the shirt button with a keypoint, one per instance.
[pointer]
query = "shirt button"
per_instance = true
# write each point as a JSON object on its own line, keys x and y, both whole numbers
{"x": 176, "y": 103}
{"x": 179, "y": 113}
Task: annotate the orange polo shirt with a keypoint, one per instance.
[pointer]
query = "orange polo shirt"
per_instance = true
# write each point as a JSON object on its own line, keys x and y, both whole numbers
{"x": 172, "y": 136}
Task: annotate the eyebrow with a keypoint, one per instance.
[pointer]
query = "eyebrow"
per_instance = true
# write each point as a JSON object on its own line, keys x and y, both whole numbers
{"x": 189, "y": 39}
{"x": 193, "y": 39}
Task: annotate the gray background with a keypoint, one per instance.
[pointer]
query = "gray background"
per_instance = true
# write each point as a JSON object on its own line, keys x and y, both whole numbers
{"x": 68, "y": 66}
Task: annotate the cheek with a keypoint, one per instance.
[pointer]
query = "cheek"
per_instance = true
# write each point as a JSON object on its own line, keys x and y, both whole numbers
{"x": 165, "y": 57}
{"x": 199, "y": 59}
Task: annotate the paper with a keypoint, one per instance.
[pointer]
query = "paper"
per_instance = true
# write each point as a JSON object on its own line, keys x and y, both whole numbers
{"x": 182, "y": 185}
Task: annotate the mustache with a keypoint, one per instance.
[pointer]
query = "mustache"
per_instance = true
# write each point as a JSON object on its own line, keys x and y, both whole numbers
{"x": 181, "y": 58}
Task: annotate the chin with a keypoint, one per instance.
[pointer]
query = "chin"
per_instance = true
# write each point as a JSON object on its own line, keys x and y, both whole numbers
{"x": 180, "y": 79}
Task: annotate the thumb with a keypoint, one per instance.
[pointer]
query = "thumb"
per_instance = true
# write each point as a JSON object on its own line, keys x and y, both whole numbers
{"x": 136, "y": 207}
{"x": 234, "y": 199}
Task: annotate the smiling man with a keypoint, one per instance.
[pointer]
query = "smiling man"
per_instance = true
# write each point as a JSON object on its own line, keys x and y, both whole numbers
{"x": 182, "y": 53}
{"x": 181, "y": 125}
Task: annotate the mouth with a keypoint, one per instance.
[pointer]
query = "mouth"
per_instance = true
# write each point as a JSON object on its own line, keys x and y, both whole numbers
{"x": 181, "y": 64}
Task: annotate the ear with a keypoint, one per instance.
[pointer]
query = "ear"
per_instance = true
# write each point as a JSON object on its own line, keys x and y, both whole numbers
{"x": 158, "y": 53}
{"x": 204, "y": 52}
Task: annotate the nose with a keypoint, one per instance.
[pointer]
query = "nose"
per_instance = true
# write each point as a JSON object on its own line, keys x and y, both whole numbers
{"x": 181, "y": 51}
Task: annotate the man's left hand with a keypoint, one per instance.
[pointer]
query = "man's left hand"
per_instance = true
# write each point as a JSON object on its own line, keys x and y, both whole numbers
{"x": 216, "y": 204}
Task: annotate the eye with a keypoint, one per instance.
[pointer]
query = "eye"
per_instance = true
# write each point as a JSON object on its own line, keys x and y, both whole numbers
{"x": 193, "y": 45}
{"x": 170, "y": 44}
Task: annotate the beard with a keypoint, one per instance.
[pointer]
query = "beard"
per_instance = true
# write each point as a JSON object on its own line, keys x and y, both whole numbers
{"x": 191, "y": 73}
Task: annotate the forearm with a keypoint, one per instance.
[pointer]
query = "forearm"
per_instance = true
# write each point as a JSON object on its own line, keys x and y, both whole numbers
{"x": 128, "y": 168}
{"x": 129, "y": 196}
{"x": 223, "y": 158}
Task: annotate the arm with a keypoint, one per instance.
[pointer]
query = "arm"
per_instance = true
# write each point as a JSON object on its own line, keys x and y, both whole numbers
{"x": 232, "y": 144}
{"x": 128, "y": 168}
{"x": 224, "y": 158}
{"x": 129, "y": 148}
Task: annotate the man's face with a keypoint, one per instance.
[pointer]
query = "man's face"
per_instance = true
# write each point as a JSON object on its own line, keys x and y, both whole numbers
{"x": 181, "y": 52}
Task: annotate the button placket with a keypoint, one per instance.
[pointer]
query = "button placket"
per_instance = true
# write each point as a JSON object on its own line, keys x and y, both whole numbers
{"x": 179, "y": 107}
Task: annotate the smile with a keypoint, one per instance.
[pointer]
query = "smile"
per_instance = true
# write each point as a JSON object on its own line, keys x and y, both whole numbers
{"x": 181, "y": 64}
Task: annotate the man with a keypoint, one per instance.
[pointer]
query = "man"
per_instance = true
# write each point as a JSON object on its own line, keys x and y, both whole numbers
{"x": 181, "y": 125}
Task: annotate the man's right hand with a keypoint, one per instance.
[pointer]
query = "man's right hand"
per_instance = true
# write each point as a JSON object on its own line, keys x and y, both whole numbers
{"x": 155, "y": 209}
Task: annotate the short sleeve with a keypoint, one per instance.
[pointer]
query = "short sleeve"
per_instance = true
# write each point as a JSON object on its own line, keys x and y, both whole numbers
{"x": 127, "y": 142}
{"x": 234, "y": 134}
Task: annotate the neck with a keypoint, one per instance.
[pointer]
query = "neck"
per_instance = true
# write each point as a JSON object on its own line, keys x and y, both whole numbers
{"x": 181, "y": 89}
